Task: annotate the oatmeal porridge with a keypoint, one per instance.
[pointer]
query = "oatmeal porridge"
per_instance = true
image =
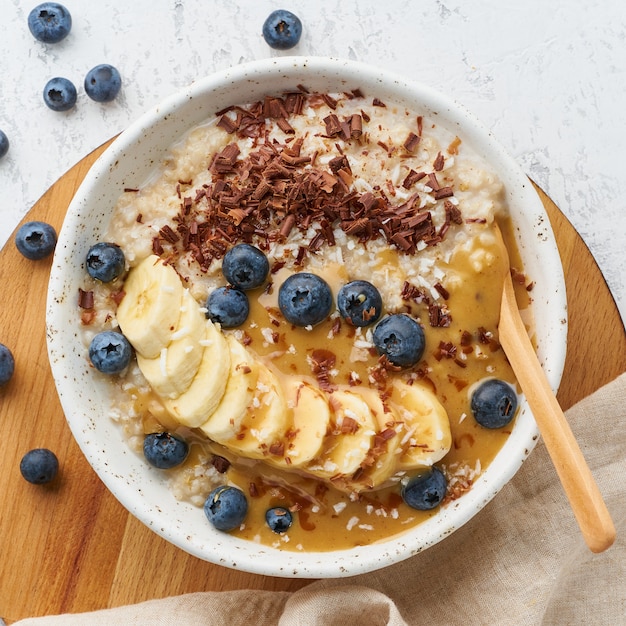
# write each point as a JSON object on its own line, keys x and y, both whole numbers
{"x": 346, "y": 373}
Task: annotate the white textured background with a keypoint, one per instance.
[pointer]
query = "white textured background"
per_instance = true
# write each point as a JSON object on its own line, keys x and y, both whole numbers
{"x": 547, "y": 76}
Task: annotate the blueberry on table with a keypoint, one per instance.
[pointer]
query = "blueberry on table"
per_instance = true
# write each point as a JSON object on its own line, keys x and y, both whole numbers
{"x": 39, "y": 466}
{"x": 7, "y": 365}
{"x": 227, "y": 306}
{"x": 279, "y": 519}
{"x": 49, "y": 22}
{"x": 245, "y": 266}
{"x": 103, "y": 83}
{"x": 59, "y": 94}
{"x": 305, "y": 299}
{"x": 360, "y": 303}
{"x": 105, "y": 261}
{"x": 425, "y": 490}
{"x": 494, "y": 403}
{"x": 36, "y": 240}
{"x": 4, "y": 144}
{"x": 226, "y": 507}
{"x": 110, "y": 352}
{"x": 400, "y": 338}
{"x": 164, "y": 450}
{"x": 282, "y": 30}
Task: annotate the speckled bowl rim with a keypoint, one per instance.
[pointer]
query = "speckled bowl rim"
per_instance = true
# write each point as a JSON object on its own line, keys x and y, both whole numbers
{"x": 126, "y": 163}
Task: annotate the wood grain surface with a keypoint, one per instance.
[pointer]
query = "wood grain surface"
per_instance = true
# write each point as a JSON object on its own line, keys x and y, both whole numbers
{"x": 71, "y": 546}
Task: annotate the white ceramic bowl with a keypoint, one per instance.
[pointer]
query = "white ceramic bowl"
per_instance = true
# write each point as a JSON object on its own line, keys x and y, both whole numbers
{"x": 127, "y": 162}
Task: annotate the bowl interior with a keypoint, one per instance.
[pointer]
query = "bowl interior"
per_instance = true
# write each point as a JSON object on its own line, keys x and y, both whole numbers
{"x": 127, "y": 163}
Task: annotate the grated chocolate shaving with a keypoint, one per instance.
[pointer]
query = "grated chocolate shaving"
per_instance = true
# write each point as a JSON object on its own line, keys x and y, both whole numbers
{"x": 439, "y": 162}
{"x": 277, "y": 448}
{"x": 276, "y": 188}
{"x": 85, "y": 299}
{"x": 412, "y": 177}
{"x": 380, "y": 372}
{"x": 333, "y": 125}
{"x": 322, "y": 362}
{"x": 443, "y": 292}
{"x": 349, "y": 426}
{"x": 220, "y": 463}
{"x": 439, "y": 316}
{"x": 445, "y": 349}
{"x": 411, "y": 142}
{"x": 227, "y": 124}
{"x": 443, "y": 192}
{"x": 168, "y": 234}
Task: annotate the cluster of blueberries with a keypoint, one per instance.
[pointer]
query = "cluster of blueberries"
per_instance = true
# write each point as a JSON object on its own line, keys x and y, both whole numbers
{"x": 35, "y": 241}
{"x": 51, "y": 22}
{"x": 226, "y": 506}
{"x": 306, "y": 299}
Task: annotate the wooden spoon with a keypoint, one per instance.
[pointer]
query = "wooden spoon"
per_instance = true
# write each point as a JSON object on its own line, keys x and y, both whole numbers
{"x": 578, "y": 483}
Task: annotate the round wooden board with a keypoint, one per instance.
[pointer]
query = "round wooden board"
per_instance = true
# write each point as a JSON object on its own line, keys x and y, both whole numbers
{"x": 72, "y": 547}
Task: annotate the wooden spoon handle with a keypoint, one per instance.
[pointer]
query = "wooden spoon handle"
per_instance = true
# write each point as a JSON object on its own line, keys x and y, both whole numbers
{"x": 578, "y": 483}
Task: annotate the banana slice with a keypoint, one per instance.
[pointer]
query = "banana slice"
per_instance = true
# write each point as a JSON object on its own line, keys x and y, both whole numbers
{"x": 310, "y": 422}
{"x": 426, "y": 436}
{"x": 353, "y": 433}
{"x": 171, "y": 373}
{"x": 381, "y": 463}
{"x": 265, "y": 423}
{"x": 149, "y": 312}
{"x": 193, "y": 407}
{"x": 225, "y": 422}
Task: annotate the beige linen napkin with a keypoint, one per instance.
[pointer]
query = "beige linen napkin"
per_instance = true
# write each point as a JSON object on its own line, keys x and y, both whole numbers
{"x": 519, "y": 561}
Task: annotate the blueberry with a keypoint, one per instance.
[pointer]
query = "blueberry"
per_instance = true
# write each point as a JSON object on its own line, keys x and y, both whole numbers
{"x": 305, "y": 299}
{"x": 360, "y": 303}
{"x": 426, "y": 490}
{"x": 4, "y": 144}
{"x": 494, "y": 403}
{"x": 105, "y": 261}
{"x": 103, "y": 83}
{"x": 49, "y": 22}
{"x": 36, "y": 240}
{"x": 279, "y": 519}
{"x": 228, "y": 306}
{"x": 110, "y": 352}
{"x": 400, "y": 338}
{"x": 59, "y": 94}
{"x": 226, "y": 507}
{"x": 164, "y": 450}
{"x": 39, "y": 466}
{"x": 7, "y": 365}
{"x": 282, "y": 30}
{"x": 245, "y": 266}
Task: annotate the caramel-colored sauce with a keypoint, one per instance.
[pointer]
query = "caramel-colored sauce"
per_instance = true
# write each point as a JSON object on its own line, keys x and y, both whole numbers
{"x": 456, "y": 358}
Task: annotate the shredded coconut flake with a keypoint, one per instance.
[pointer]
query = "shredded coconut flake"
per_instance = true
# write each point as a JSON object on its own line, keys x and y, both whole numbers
{"x": 163, "y": 362}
